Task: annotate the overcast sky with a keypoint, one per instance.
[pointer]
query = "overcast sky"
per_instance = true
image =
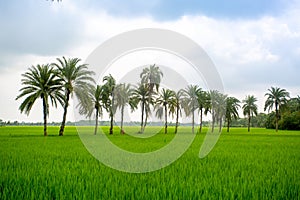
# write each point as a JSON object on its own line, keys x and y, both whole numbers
{"x": 254, "y": 44}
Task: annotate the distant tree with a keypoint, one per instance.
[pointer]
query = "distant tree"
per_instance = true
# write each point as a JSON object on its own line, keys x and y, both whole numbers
{"x": 123, "y": 93}
{"x": 76, "y": 79}
{"x": 109, "y": 98}
{"x": 249, "y": 108}
{"x": 277, "y": 97}
{"x": 232, "y": 106}
{"x": 41, "y": 81}
{"x": 164, "y": 101}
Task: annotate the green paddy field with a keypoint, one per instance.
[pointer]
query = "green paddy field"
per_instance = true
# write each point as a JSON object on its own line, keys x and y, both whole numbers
{"x": 262, "y": 164}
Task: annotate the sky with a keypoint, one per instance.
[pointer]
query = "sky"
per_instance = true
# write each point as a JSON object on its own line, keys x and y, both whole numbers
{"x": 254, "y": 44}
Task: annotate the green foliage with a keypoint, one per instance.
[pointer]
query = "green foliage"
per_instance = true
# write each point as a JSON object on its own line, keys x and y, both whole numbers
{"x": 263, "y": 165}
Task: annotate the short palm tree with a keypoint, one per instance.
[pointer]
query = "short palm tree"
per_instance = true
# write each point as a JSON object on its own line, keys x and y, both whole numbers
{"x": 163, "y": 102}
{"x": 109, "y": 100}
{"x": 249, "y": 108}
{"x": 123, "y": 93}
{"x": 76, "y": 79}
{"x": 190, "y": 102}
{"x": 232, "y": 106}
{"x": 40, "y": 81}
{"x": 277, "y": 97}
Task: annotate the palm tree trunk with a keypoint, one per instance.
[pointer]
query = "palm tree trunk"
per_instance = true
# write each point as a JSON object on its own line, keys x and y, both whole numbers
{"x": 249, "y": 120}
{"x": 276, "y": 109}
{"x": 228, "y": 124}
{"x": 146, "y": 118}
{"x": 200, "y": 128}
{"x": 111, "y": 129}
{"x": 193, "y": 120}
{"x": 45, "y": 116}
{"x": 177, "y": 118}
{"x": 220, "y": 125}
{"x": 122, "y": 119}
{"x": 62, "y": 126}
{"x": 142, "y": 120}
{"x": 213, "y": 122}
{"x": 166, "y": 119}
{"x": 96, "y": 126}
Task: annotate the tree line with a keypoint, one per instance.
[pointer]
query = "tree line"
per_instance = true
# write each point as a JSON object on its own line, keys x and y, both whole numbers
{"x": 55, "y": 83}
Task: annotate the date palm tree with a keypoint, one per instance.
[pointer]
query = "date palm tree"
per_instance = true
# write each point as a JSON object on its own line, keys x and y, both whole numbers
{"x": 203, "y": 99}
{"x": 76, "y": 78}
{"x": 123, "y": 93}
{"x": 164, "y": 100}
{"x": 151, "y": 76}
{"x": 190, "y": 102}
{"x": 41, "y": 81}
{"x": 249, "y": 108}
{"x": 109, "y": 100}
{"x": 232, "y": 106}
{"x": 175, "y": 107}
{"x": 141, "y": 95}
{"x": 277, "y": 97}
{"x": 93, "y": 100}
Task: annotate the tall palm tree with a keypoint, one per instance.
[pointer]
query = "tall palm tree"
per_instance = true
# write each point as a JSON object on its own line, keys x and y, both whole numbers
{"x": 151, "y": 76}
{"x": 76, "y": 79}
{"x": 165, "y": 99}
{"x": 175, "y": 107}
{"x": 109, "y": 100}
{"x": 277, "y": 97}
{"x": 93, "y": 100}
{"x": 218, "y": 108}
{"x": 203, "y": 99}
{"x": 123, "y": 93}
{"x": 141, "y": 95}
{"x": 40, "y": 81}
{"x": 232, "y": 106}
{"x": 190, "y": 102}
{"x": 249, "y": 108}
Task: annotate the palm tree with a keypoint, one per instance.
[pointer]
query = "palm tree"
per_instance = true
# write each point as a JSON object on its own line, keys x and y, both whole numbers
{"x": 40, "y": 82}
{"x": 141, "y": 95}
{"x": 109, "y": 100}
{"x": 92, "y": 101}
{"x": 249, "y": 108}
{"x": 218, "y": 108}
{"x": 165, "y": 99}
{"x": 232, "y": 106}
{"x": 76, "y": 79}
{"x": 190, "y": 102}
{"x": 123, "y": 93}
{"x": 151, "y": 76}
{"x": 276, "y": 97}
{"x": 175, "y": 106}
{"x": 203, "y": 99}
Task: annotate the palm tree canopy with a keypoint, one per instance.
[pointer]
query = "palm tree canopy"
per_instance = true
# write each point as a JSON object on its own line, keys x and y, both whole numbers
{"x": 152, "y": 77}
{"x": 123, "y": 93}
{"x": 166, "y": 98}
{"x": 232, "y": 106}
{"x": 40, "y": 81}
{"x": 249, "y": 106}
{"x": 190, "y": 99}
{"x": 75, "y": 76}
{"x": 276, "y": 97}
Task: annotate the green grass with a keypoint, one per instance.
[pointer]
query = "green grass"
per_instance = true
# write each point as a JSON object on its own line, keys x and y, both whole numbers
{"x": 257, "y": 165}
